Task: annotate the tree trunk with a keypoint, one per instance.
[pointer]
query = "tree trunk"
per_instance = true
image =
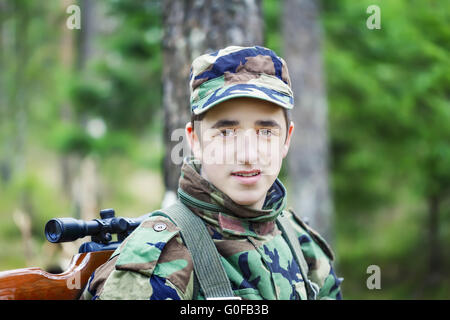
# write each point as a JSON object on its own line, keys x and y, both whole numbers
{"x": 86, "y": 185}
{"x": 192, "y": 28}
{"x": 308, "y": 155}
{"x": 433, "y": 235}
{"x": 5, "y": 146}
{"x": 80, "y": 176}
{"x": 14, "y": 99}
{"x": 66, "y": 57}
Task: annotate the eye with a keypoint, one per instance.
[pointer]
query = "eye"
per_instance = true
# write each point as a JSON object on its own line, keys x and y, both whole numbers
{"x": 227, "y": 132}
{"x": 265, "y": 132}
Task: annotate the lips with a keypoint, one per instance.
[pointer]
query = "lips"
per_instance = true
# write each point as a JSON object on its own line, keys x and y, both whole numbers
{"x": 246, "y": 173}
{"x": 247, "y": 177}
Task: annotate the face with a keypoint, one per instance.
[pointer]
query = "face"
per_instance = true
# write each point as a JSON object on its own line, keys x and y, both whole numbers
{"x": 243, "y": 142}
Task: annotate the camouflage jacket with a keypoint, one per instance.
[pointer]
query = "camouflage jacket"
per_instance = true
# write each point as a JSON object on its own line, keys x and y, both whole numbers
{"x": 153, "y": 262}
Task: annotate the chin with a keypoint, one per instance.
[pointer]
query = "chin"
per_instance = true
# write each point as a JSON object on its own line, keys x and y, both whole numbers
{"x": 245, "y": 200}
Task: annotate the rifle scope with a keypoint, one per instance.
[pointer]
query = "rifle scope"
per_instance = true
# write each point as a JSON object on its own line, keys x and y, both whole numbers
{"x": 70, "y": 229}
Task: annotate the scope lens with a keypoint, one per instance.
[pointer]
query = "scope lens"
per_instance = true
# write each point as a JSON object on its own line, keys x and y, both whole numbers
{"x": 53, "y": 230}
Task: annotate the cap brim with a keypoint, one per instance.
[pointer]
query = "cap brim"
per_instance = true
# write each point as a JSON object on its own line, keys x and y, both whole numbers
{"x": 242, "y": 90}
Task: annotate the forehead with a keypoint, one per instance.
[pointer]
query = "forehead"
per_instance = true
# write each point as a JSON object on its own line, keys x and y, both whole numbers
{"x": 244, "y": 109}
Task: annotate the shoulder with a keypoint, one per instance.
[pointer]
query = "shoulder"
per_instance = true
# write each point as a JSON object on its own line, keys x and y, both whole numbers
{"x": 152, "y": 261}
{"x": 309, "y": 234}
{"x": 141, "y": 250}
{"x": 319, "y": 257}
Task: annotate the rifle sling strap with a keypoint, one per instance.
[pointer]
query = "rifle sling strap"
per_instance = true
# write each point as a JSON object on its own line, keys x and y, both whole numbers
{"x": 208, "y": 269}
{"x": 289, "y": 235}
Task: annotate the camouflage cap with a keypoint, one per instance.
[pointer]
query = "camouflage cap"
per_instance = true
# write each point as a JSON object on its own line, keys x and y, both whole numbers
{"x": 255, "y": 72}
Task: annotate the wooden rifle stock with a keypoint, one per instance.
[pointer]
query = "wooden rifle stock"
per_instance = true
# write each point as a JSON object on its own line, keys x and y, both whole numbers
{"x": 36, "y": 284}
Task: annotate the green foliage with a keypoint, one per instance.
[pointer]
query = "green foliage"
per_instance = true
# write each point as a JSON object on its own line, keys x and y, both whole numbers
{"x": 390, "y": 133}
{"x": 124, "y": 86}
{"x": 69, "y": 138}
{"x": 272, "y": 13}
{"x": 394, "y": 102}
{"x": 47, "y": 106}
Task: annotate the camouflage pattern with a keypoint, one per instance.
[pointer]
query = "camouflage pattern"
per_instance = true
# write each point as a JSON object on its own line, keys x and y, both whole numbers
{"x": 232, "y": 72}
{"x": 155, "y": 264}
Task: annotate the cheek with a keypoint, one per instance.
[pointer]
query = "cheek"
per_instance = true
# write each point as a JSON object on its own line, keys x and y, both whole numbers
{"x": 208, "y": 154}
{"x": 219, "y": 152}
{"x": 271, "y": 153}
{"x": 216, "y": 173}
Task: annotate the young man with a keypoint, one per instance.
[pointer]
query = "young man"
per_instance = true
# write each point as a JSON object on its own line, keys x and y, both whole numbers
{"x": 239, "y": 134}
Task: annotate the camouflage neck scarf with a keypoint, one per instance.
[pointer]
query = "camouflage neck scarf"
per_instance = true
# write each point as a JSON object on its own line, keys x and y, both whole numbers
{"x": 220, "y": 211}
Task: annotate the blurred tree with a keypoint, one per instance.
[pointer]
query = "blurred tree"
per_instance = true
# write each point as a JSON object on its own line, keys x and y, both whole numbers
{"x": 16, "y": 50}
{"x": 116, "y": 86}
{"x": 79, "y": 170}
{"x": 192, "y": 28}
{"x": 123, "y": 85}
{"x": 24, "y": 26}
{"x": 389, "y": 113}
{"x": 67, "y": 54}
{"x": 27, "y": 67}
{"x": 308, "y": 156}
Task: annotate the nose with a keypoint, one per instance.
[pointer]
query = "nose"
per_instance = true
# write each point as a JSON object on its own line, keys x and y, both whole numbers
{"x": 247, "y": 148}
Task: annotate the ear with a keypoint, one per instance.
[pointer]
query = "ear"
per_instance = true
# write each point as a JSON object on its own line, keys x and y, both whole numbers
{"x": 288, "y": 140}
{"x": 193, "y": 140}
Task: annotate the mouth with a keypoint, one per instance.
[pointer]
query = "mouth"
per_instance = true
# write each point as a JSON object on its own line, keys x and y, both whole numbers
{"x": 247, "y": 176}
{"x": 246, "y": 173}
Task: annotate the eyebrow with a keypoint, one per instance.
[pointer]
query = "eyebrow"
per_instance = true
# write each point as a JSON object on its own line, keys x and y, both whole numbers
{"x": 268, "y": 123}
{"x": 225, "y": 123}
{"x": 231, "y": 123}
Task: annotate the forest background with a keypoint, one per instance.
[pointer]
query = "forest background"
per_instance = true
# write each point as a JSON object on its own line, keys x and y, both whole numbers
{"x": 82, "y": 127}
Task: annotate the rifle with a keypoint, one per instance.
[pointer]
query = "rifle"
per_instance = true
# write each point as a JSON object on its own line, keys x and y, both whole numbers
{"x": 37, "y": 284}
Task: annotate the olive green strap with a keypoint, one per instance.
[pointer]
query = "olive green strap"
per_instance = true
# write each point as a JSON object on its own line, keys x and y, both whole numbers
{"x": 291, "y": 238}
{"x": 208, "y": 268}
